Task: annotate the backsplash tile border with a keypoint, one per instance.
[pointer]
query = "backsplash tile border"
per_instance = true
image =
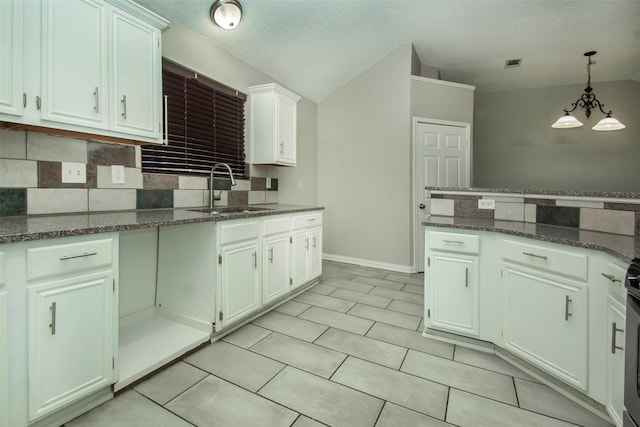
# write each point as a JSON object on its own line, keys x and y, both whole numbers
{"x": 588, "y": 211}
{"x": 39, "y": 188}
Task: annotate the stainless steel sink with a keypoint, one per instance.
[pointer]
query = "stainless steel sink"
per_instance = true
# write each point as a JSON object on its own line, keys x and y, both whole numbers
{"x": 230, "y": 209}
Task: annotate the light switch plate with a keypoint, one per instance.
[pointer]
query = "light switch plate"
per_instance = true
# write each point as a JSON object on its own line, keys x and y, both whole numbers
{"x": 74, "y": 172}
{"x": 486, "y": 204}
{"x": 117, "y": 174}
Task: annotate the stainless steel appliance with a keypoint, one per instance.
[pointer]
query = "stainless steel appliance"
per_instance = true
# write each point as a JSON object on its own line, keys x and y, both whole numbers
{"x": 631, "y": 416}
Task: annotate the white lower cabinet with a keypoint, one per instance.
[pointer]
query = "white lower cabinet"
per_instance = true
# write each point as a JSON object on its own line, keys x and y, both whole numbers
{"x": 276, "y": 267}
{"x": 615, "y": 359}
{"x": 545, "y": 322}
{"x": 239, "y": 277}
{"x": 307, "y": 248}
{"x": 239, "y": 281}
{"x": 4, "y": 357}
{"x": 453, "y": 293}
{"x": 71, "y": 337}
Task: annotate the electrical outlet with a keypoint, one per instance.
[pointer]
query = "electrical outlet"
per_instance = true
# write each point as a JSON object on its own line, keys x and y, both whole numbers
{"x": 268, "y": 183}
{"x": 486, "y": 204}
{"x": 117, "y": 174}
{"x": 74, "y": 172}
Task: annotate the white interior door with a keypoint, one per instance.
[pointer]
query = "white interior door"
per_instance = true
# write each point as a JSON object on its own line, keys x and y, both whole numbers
{"x": 442, "y": 158}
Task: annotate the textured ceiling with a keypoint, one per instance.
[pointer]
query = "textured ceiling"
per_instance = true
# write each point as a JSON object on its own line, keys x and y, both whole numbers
{"x": 316, "y": 46}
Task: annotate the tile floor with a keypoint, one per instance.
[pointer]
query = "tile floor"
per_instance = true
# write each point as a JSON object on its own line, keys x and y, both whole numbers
{"x": 348, "y": 352}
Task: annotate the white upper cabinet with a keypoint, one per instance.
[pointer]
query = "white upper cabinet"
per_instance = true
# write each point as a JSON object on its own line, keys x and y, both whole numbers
{"x": 74, "y": 62}
{"x": 88, "y": 66}
{"x": 11, "y": 66}
{"x": 272, "y": 130}
{"x": 136, "y": 89}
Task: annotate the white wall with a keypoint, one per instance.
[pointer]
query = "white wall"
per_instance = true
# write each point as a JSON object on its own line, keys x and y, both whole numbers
{"x": 194, "y": 51}
{"x": 364, "y": 178}
{"x": 516, "y": 147}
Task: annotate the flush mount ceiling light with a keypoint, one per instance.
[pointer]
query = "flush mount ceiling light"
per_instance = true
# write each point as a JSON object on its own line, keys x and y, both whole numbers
{"x": 226, "y": 13}
{"x": 588, "y": 102}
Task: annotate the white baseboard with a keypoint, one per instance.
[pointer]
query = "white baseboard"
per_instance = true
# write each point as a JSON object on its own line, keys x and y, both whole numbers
{"x": 368, "y": 263}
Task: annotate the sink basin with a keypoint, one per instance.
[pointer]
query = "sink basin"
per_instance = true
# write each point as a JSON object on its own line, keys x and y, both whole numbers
{"x": 230, "y": 209}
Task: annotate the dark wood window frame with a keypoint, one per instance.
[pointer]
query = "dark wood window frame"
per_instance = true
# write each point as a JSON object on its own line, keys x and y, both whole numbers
{"x": 205, "y": 126}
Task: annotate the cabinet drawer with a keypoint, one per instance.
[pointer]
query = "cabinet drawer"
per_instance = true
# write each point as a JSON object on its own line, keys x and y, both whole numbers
{"x": 541, "y": 257}
{"x": 615, "y": 278}
{"x": 276, "y": 226}
{"x": 454, "y": 242}
{"x": 68, "y": 258}
{"x": 237, "y": 232}
{"x": 310, "y": 220}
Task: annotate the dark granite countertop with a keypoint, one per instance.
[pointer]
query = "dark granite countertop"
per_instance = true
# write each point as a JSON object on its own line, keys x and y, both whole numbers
{"x": 39, "y": 227}
{"x": 623, "y": 247}
{"x": 516, "y": 191}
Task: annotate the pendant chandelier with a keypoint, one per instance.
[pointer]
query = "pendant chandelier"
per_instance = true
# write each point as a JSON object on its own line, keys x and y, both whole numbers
{"x": 588, "y": 102}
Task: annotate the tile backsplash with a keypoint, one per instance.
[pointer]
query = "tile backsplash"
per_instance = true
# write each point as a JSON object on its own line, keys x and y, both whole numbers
{"x": 31, "y": 179}
{"x": 617, "y": 213}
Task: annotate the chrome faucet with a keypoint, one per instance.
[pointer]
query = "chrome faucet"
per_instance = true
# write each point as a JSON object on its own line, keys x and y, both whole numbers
{"x": 233, "y": 182}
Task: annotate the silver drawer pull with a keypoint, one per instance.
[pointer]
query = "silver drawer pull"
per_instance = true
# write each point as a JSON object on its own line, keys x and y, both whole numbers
{"x": 611, "y": 277}
{"x": 567, "y": 301}
{"x": 614, "y": 329}
{"x": 535, "y": 255}
{"x": 312, "y": 219}
{"x": 96, "y": 106}
{"x": 271, "y": 255}
{"x": 457, "y": 242}
{"x": 52, "y": 325}
{"x": 124, "y": 106}
{"x": 466, "y": 277}
{"x": 86, "y": 254}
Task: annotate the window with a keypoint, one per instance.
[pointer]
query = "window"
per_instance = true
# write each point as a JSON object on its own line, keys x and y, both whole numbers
{"x": 205, "y": 126}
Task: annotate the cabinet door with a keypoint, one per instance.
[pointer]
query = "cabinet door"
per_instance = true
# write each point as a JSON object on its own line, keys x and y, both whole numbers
{"x": 286, "y": 129}
{"x": 315, "y": 267}
{"x": 11, "y": 65}
{"x": 70, "y": 336}
{"x": 300, "y": 257}
{"x": 546, "y": 323}
{"x": 277, "y": 268}
{"x": 135, "y": 70}
{"x": 74, "y": 62}
{"x": 453, "y": 291}
{"x": 239, "y": 281}
{"x": 4, "y": 360}
{"x": 615, "y": 359}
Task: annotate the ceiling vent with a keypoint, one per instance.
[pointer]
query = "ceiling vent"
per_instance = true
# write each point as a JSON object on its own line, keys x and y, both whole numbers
{"x": 512, "y": 63}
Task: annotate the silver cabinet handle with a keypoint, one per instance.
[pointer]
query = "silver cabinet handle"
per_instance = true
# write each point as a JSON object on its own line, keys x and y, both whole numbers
{"x": 166, "y": 121}
{"x": 311, "y": 219}
{"x": 457, "y": 242}
{"x": 96, "y": 107}
{"x": 281, "y": 147}
{"x": 314, "y": 242}
{"x": 124, "y": 106}
{"x": 52, "y": 325}
{"x": 38, "y": 103}
{"x": 255, "y": 260}
{"x": 535, "y": 255}
{"x": 271, "y": 255}
{"x": 86, "y": 254}
{"x": 466, "y": 277}
{"x": 24, "y": 100}
{"x": 611, "y": 277}
{"x": 567, "y": 301}
{"x": 615, "y": 329}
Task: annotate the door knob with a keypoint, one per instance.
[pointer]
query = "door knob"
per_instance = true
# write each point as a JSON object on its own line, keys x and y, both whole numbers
{"x": 421, "y": 206}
